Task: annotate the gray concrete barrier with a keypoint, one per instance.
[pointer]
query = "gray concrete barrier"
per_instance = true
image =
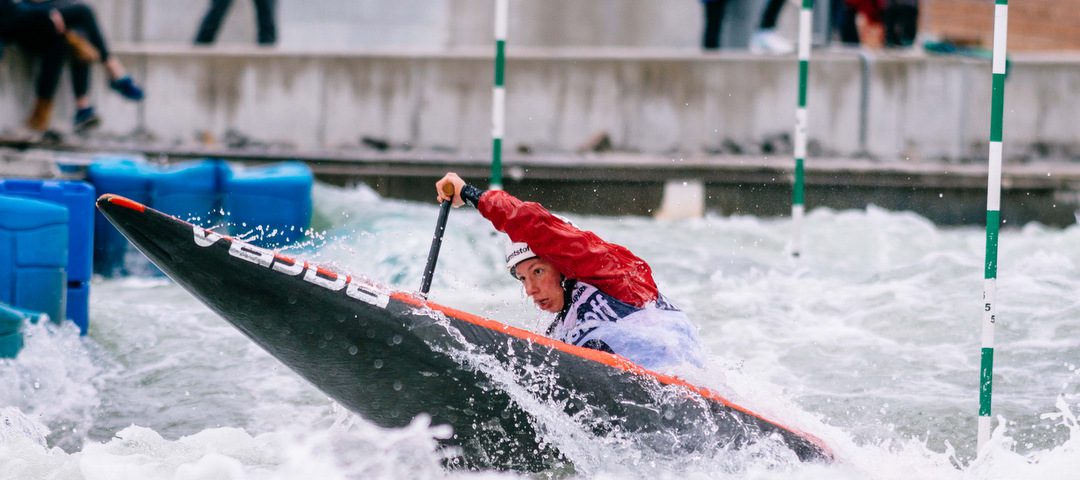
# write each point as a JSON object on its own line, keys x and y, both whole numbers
{"x": 671, "y": 102}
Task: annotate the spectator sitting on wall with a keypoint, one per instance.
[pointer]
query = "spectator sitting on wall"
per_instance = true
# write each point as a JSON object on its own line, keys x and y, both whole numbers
{"x": 844, "y": 22}
{"x": 52, "y": 31}
{"x": 890, "y": 23}
{"x": 211, "y": 22}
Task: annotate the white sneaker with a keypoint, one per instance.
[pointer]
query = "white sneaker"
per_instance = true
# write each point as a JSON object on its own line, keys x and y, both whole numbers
{"x": 768, "y": 41}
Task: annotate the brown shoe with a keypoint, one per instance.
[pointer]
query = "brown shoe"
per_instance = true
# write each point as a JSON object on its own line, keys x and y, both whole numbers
{"x": 40, "y": 116}
{"x": 83, "y": 50}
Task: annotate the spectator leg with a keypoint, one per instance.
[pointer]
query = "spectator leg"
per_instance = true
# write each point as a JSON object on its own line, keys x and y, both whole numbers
{"x": 771, "y": 14}
{"x": 714, "y": 19}
{"x": 211, "y": 22}
{"x": 264, "y": 16}
{"x": 81, "y": 17}
{"x": 80, "y": 79}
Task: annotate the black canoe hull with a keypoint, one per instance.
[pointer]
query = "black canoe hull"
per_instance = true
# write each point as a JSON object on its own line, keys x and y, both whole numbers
{"x": 390, "y": 356}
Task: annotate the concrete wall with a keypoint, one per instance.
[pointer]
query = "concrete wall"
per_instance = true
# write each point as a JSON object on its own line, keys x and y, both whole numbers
{"x": 940, "y": 108}
{"x": 666, "y": 102}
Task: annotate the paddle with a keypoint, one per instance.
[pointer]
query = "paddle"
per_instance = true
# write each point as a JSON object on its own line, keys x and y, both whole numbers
{"x": 436, "y": 241}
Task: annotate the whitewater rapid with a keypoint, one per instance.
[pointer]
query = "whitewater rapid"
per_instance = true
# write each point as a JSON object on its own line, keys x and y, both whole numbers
{"x": 869, "y": 341}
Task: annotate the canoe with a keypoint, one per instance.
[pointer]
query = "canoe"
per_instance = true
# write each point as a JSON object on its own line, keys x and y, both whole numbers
{"x": 391, "y": 356}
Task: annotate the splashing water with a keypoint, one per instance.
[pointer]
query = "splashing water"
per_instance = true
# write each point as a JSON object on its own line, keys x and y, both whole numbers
{"x": 870, "y": 342}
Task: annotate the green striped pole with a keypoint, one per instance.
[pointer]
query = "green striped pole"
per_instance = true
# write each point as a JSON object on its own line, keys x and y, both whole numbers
{"x": 806, "y": 18}
{"x": 993, "y": 219}
{"x": 498, "y": 94}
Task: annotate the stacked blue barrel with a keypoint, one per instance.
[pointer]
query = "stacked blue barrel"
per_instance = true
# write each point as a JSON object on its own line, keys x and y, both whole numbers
{"x": 270, "y": 205}
{"x": 51, "y": 241}
{"x": 189, "y": 191}
{"x": 45, "y": 253}
{"x": 267, "y": 205}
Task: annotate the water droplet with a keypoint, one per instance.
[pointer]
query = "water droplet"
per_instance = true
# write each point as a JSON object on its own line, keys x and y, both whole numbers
{"x": 353, "y": 350}
{"x": 397, "y": 386}
{"x": 378, "y": 364}
{"x": 395, "y": 340}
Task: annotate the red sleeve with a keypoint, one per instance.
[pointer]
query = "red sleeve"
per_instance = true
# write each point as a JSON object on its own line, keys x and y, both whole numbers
{"x": 577, "y": 254}
{"x": 870, "y": 8}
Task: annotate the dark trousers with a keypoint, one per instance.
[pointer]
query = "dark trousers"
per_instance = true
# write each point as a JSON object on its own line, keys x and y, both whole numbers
{"x": 771, "y": 14}
{"x": 714, "y": 19}
{"x": 901, "y": 21}
{"x": 844, "y": 22}
{"x": 264, "y": 17}
{"x": 36, "y": 33}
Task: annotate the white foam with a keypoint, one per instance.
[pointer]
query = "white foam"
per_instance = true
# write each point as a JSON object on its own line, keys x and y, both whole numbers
{"x": 869, "y": 341}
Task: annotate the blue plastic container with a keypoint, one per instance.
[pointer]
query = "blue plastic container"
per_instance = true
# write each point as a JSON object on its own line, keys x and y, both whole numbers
{"x": 12, "y": 321}
{"x": 11, "y": 339}
{"x": 269, "y": 206}
{"x": 78, "y": 305}
{"x": 78, "y": 197}
{"x": 10, "y": 344}
{"x": 189, "y": 191}
{"x": 33, "y": 255}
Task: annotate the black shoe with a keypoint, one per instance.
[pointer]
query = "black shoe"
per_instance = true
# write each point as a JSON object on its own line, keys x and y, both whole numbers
{"x": 127, "y": 88}
{"x": 86, "y": 119}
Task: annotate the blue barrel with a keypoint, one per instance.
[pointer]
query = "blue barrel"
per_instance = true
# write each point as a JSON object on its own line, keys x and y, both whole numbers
{"x": 269, "y": 206}
{"x": 188, "y": 190}
{"x": 78, "y": 305}
{"x": 11, "y": 324}
{"x": 78, "y": 197}
{"x": 11, "y": 340}
{"x": 33, "y": 255}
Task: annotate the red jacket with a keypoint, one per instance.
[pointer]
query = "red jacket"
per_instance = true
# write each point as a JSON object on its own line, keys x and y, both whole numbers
{"x": 577, "y": 254}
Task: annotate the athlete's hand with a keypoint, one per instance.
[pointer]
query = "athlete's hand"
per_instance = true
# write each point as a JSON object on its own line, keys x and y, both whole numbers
{"x": 450, "y": 180}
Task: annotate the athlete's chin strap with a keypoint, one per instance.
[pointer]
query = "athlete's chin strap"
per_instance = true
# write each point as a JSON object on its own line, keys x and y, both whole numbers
{"x": 567, "y": 289}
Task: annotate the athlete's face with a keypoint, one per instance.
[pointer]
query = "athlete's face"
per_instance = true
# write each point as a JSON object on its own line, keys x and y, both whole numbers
{"x": 543, "y": 284}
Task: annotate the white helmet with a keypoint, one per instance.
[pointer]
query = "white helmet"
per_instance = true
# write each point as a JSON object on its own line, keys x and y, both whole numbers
{"x": 517, "y": 252}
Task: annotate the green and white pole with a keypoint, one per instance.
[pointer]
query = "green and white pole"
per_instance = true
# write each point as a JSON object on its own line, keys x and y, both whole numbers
{"x": 993, "y": 219}
{"x": 498, "y": 94}
{"x": 798, "y": 208}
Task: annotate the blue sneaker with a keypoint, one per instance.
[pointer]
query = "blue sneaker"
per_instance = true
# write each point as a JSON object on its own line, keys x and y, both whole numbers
{"x": 85, "y": 119}
{"x": 127, "y": 88}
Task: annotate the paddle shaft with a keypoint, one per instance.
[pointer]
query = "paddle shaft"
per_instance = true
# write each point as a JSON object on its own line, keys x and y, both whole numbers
{"x": 436, "y": 240}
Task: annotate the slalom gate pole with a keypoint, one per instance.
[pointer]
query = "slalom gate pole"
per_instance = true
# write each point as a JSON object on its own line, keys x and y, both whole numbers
{"x": 436, "y": 240}
{"x": 498, "y": 94}
{"x": 993, "y": 220}
{"x": 806, "y": 18}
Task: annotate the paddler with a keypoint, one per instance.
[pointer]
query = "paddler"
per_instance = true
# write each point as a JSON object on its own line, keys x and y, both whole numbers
{"x": 603, "y": 296}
